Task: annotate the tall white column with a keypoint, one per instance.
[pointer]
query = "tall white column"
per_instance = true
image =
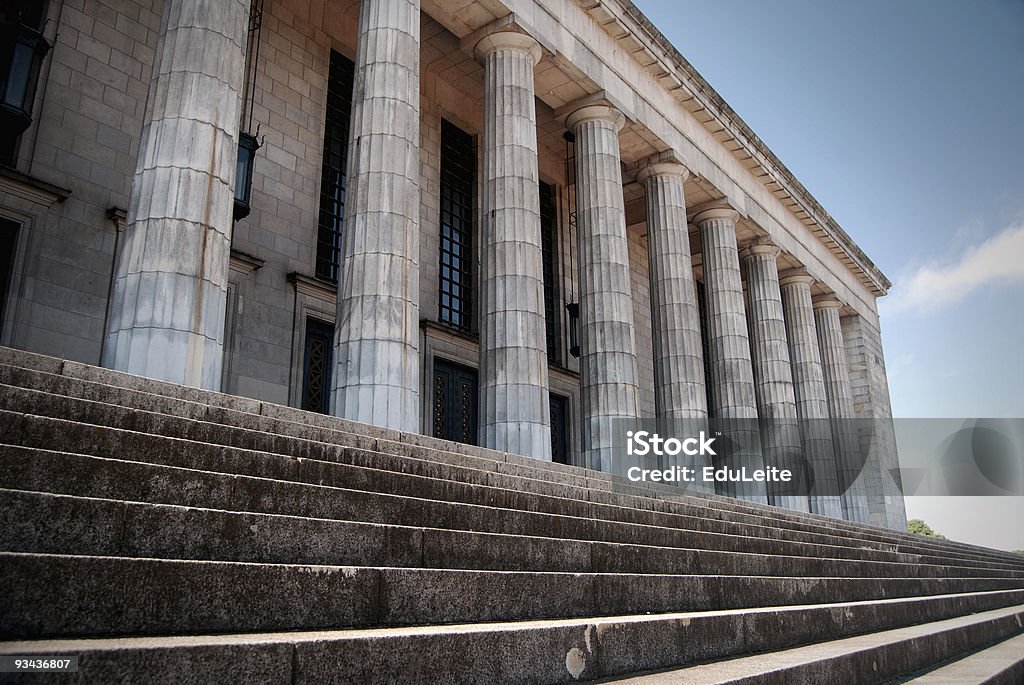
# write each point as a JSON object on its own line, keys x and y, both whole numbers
{"x": 608, "y": 368}
{"x": 840, "y": 404}
{"x": 170, "y": 291}
{"x": 377, "y": 376}
{"x": 809, "y": 388}
{"x": 680, "y": 399}
{"x": 678, "y": 357}
{"x": 514, "y": 408}
{"x": 732, "y": 376}
{"x": 773, "y": 376}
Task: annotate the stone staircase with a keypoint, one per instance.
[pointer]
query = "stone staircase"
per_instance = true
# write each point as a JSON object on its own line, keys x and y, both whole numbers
{"x": 168, "y": 534}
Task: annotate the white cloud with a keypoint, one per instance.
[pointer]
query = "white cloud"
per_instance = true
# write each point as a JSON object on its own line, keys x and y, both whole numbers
{"x": 996, "y": 261}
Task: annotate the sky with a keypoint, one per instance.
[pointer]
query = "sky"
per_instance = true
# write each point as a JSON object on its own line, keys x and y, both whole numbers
{"x": 905, "y": 119}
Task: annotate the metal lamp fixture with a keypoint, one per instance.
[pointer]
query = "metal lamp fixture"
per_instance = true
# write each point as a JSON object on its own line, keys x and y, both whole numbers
{"x": 22, "y": 49}
{"x": 248, "y": 143}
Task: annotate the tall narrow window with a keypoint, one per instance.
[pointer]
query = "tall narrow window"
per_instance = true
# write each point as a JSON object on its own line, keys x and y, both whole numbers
{"x": 549, "y": 250}
{"x": 332, "y": 174}
{"x": 702, "y": 309}
{"x": 559, "y": 428}
{"x": 8, "y": 242}
{"x": 316, "y": 374}
{"x": 458, "y": 172}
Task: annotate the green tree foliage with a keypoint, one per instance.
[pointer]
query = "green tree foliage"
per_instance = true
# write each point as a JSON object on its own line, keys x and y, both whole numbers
{"x": 919, "y": 527}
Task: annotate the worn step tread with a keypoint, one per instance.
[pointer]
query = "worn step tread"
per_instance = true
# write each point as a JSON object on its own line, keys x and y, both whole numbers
{"x": 550, "y": 650}
{"x": 70, "y": 524}
{"x": 711, "y": 501}
{"x": 1002, "y": 663}
{"x": 872, "y": 658}
{"x": 55, "y": 595}
{"x": 190, "y": 454}
{"x": 101, "y": 477}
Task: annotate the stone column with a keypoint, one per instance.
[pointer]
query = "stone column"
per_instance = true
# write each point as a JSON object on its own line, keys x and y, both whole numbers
{"x": 773, "y": 376}
{"x": 678, "y": 358}
{"x": 608, "y": 369}
{"x": 680, "y": 400}
{"x": 514, "y": 404}
{"x": 840, "y": 406}
{"x": 377, "y": 376}
{"x": 809, "y": 389}
{"x": 170, "y": 290}
{"x": 732, "y": 376}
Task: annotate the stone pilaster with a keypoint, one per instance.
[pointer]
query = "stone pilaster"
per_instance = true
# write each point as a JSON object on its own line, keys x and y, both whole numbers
{"x": 377, "y": 374}
{"x": 809, "y": 390}
{"x": 773, "y": 376}
{"x": 608, "y": 368}
{"x": 840, "y": 404}
{"x": 513, "y": 349}
{"x": 732, "y": 376}
{"x": 170, "y": 290}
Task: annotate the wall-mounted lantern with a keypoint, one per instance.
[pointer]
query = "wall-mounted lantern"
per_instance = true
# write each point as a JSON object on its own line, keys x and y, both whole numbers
{"x": 247, "y": 147}
{"x": 248, "y": 143}
{"x": 22, "y": 49}
{"x": 574, "y": 328}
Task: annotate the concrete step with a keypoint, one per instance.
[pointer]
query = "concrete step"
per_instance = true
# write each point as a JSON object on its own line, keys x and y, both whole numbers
{"x": 50, "y": 596}
{"x": 60, "y": 524}
{"x": 93, "y": 477}
{"x": 508, "y": 652}
{"x": 333, "y": 465}
{"x": 87, "y": 381}
{"x": 1000, "y": 664}
{"x": 870, "y": 659}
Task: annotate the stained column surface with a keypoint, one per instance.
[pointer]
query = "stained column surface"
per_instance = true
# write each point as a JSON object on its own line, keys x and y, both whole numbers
{"x": 170, "y": 289}
{"x": 514, "y": 406}
{"x": 732, "y": 376}
{"x": 773, "y": 376}
{"x": 608, "y": 367}
{"x": 377, "y": 374}
{"x": 679, "y": 392}
{"x": 849, "y": 461}
{"x": 809, "y": 389}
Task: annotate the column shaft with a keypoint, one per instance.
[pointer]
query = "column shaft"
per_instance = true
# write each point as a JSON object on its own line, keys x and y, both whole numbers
{"x": 170, "y": 290}
{"x": 840, "y": 403}
{"x": 773, "y": 376}
{"x": 811, "y": 397}
{"x": 732, "y": 376}
{"x": 377, "y": 374}
{"x": 608, "y": 367}
{"x": 514, "y": 414}
{"x": 678, "y": 358}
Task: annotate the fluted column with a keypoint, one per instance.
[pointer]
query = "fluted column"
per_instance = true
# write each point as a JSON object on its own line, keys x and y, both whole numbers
{"x": 773, "y": 377}
{"x": 840, "y": 405}
{"x": 608, "y": 368}
{"x": 680, "y": 400}
{"x": 678, "y": 358}
{"x": 809, "y": 389}
{"x": 377, "y": 373}
{"x": 514, "y": 408}
{"x": 170, "y": 290}
{"x": 732, "y": 376}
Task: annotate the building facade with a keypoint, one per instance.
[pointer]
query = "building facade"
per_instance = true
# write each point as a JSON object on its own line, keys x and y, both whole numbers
{"x": 511, "y": 223}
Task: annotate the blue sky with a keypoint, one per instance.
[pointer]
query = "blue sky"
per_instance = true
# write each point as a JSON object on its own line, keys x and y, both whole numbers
{"x": 905, "y": 119}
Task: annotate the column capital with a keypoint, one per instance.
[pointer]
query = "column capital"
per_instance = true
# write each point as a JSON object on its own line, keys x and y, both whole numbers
{"x": 600, "y": 112}
{"x": 722, "y": 212}
{"x": 760, "y": 246}
{"x": 797, "y": 276}
{"x": 826, "y": 301}
{"x": 655, "y": 169}
{"x": 507, "y": 40}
